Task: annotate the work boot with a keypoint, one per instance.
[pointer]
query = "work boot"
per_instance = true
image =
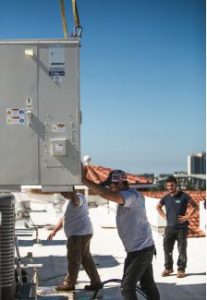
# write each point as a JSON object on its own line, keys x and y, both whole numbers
{"x": 167, "y": 272}
{"x": 180, "y": 274}
{"x": 65, "y": 287}
{"x": 93, "y": 287}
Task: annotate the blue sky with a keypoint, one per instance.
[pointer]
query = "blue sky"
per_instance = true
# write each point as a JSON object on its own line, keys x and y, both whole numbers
{"x": 142, "y": 77}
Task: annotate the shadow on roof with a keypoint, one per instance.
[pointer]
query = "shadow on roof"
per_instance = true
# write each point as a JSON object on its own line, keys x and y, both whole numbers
{"x": 55, "y": 267}
{"x": 29, "y": 243}
{"x": 182, "y": 291}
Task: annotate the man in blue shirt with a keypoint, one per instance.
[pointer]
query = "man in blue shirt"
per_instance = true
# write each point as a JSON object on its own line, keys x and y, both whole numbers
{"x": 175, "y": 203}
{"x": 134, "y": 231}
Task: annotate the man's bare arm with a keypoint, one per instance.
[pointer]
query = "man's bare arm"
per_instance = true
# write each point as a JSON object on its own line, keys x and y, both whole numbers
{"x": 56, "y": 229}
{"x": 102, "y": 191}
{"x": 191, "y": 211}
{"x": 160, "y": 210}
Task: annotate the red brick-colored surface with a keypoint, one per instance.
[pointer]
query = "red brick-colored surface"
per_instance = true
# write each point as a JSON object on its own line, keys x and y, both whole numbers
{"x": 99, "y": 174}
{"x": 194, "y": 230}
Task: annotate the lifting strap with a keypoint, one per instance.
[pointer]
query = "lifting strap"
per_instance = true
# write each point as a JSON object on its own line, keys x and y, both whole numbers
{"x": 75, "y": 13}
{"x": 63, "y": 17}
{"x": 77, "y": 28}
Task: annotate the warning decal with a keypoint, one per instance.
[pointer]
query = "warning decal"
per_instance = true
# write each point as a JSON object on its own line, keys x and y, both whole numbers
{"x": 15, "y": 116}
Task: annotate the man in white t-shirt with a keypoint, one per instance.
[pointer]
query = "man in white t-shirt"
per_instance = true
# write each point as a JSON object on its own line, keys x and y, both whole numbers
{"x": 134, "y": 231}
{"x": 78, "y": 230}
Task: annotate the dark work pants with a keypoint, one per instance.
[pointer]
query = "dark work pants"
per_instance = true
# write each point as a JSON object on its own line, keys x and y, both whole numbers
{"x": 138, "y": 267}
{"x": 172, "y": 235}
{"x": 78, "y": 252}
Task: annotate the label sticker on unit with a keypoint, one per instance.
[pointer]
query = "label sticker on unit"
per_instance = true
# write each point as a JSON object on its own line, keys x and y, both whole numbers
{"x": 58, "y": 127}
{"x": 28, "y": 102}
{"x": 15, "y": 116}
{"x": 59, "y": 148}
{"x": 56, "y": 62}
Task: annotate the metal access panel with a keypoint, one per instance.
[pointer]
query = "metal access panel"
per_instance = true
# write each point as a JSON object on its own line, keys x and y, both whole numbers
{"x": 39, "y": 114}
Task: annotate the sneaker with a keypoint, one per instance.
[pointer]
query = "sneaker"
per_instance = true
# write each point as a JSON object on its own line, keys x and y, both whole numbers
{"x": 180, "y": 274}
{"x": 167, "y": 272}
{"x": 64, "y": 288}
{"x": 93, "y": 287}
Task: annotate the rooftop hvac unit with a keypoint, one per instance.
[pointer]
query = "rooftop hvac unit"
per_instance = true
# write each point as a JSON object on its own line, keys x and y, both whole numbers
{"x": 39, "y": 114}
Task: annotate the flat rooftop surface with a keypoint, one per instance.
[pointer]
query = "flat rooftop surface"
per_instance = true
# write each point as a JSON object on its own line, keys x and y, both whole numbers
{"x": 109, "y": 256}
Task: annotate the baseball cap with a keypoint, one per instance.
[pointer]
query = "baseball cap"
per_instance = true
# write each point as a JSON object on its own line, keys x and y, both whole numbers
{"x": 115, "y": 176}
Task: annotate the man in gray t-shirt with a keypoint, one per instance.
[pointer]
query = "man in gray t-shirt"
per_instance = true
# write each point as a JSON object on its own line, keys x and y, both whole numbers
{"x": 134, "y": 231}
{"x": 78, "y": 230}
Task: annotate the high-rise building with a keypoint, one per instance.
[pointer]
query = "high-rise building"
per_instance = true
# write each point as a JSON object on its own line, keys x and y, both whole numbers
{"x": 197, "y": 163}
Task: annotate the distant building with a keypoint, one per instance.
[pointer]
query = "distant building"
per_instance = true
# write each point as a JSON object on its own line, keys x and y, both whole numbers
{"x": 196, "y": 163}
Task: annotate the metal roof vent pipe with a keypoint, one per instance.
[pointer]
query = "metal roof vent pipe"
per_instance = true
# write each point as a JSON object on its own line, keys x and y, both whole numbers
{"x": 7, "y": 227}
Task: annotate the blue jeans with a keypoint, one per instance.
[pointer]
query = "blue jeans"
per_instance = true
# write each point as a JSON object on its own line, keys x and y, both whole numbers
{"x": 138, "y": 267}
